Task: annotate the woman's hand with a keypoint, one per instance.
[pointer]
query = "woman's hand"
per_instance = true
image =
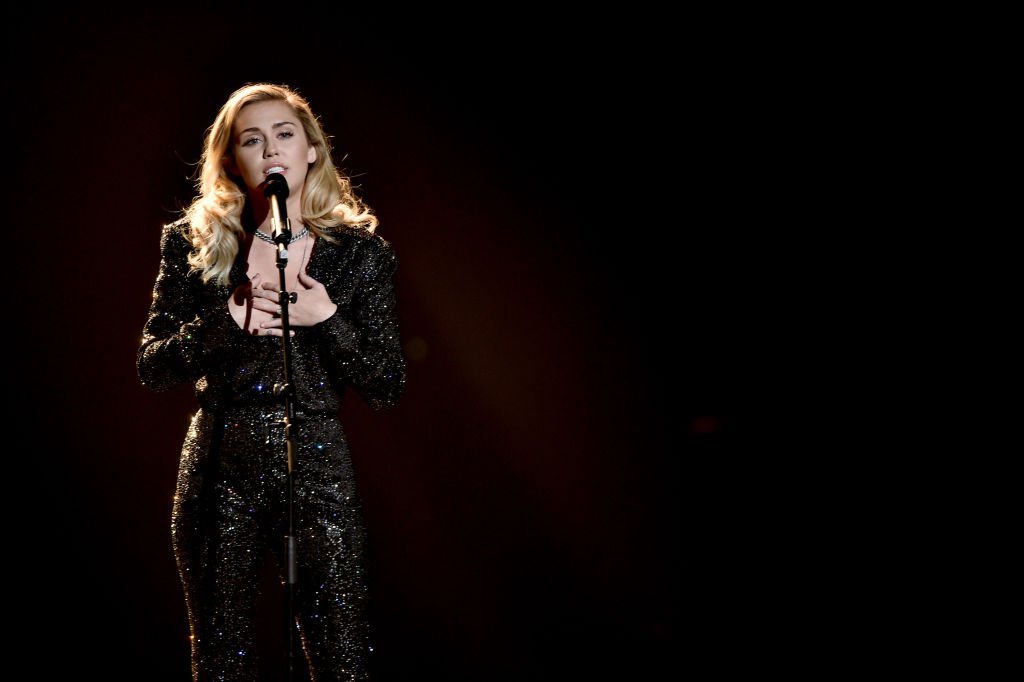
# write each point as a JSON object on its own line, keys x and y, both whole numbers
{"x": 246, "y": 313}
{"x": 312, "y": 306}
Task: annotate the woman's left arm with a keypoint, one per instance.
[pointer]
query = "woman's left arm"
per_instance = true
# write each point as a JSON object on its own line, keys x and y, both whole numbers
{"x": 362, "y": 345}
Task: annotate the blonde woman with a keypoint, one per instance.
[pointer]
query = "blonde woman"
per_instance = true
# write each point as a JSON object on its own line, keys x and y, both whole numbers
{"x": 214, "y": 321}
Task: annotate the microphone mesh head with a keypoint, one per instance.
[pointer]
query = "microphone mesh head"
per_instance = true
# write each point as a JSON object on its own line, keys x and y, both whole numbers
{"x": 276, "y": 185}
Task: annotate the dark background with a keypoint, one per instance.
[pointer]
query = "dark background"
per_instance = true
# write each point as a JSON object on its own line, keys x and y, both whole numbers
{"x": 538, "y": 501}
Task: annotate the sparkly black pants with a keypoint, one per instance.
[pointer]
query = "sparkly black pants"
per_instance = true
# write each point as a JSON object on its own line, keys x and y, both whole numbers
{"x": 231, "y": 505}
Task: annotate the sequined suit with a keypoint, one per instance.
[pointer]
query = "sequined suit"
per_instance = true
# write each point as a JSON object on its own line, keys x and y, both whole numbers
{"x": 230, "y": 500}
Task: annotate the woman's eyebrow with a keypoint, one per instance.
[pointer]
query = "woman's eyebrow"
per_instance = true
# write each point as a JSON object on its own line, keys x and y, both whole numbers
{"x": 276, "y": 125}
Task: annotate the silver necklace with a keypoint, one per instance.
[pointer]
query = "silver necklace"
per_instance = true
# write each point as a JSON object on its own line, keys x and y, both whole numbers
{"x": 295, "y": 237}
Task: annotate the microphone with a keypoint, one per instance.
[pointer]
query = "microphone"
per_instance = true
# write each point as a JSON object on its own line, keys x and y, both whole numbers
{"x": 276, "y": 190}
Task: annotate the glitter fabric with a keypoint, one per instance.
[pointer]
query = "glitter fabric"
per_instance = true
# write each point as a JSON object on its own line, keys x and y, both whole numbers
{"x": 230, "y": 502}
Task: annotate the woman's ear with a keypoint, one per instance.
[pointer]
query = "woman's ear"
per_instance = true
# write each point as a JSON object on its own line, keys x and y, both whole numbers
{"x": 311, "y": 154}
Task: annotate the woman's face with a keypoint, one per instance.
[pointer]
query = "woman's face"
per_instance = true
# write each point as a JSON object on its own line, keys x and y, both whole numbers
{"x": 268, "y": 137}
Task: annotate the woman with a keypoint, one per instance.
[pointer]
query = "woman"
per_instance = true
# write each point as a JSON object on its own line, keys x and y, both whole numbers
{"x": 214, "y": 321}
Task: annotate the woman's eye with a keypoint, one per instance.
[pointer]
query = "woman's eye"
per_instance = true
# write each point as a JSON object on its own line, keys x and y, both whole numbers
{"x": 286, "y": 133}
{"x": 250, "y": 141}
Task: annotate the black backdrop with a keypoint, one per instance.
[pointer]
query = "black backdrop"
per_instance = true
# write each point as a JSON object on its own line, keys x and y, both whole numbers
{"x": 564, "y": 296}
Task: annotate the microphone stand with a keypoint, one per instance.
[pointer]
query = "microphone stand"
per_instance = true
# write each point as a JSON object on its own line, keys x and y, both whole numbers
{"x": 286, "y": 391}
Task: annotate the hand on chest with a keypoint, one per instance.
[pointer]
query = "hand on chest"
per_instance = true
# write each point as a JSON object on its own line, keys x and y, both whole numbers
{"x": 261, "y": 267}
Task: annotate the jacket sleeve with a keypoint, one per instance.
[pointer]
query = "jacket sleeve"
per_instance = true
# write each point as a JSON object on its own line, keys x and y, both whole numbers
{"x": 361, "y": 345}
{"x": 173, "y": 334}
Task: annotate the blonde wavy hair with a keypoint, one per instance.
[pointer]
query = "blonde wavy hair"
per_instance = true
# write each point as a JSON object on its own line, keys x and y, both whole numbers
{"x": 215, "y": 216}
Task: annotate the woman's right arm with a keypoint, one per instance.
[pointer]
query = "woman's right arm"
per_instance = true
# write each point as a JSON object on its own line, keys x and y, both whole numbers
{"x": 172, "y": 336}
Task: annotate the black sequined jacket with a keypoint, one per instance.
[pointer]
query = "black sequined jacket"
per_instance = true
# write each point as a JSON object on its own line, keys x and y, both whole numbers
{"x": 190, "y": 335}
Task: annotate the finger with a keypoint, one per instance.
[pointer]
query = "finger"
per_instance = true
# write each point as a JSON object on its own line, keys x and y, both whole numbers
{"x": 265, "y": 305}
{"x": 268, "y": 291}
{"x": 275, "y": 332}
{"x": 273, "y": 326}
{"x": 270, "y": 285}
